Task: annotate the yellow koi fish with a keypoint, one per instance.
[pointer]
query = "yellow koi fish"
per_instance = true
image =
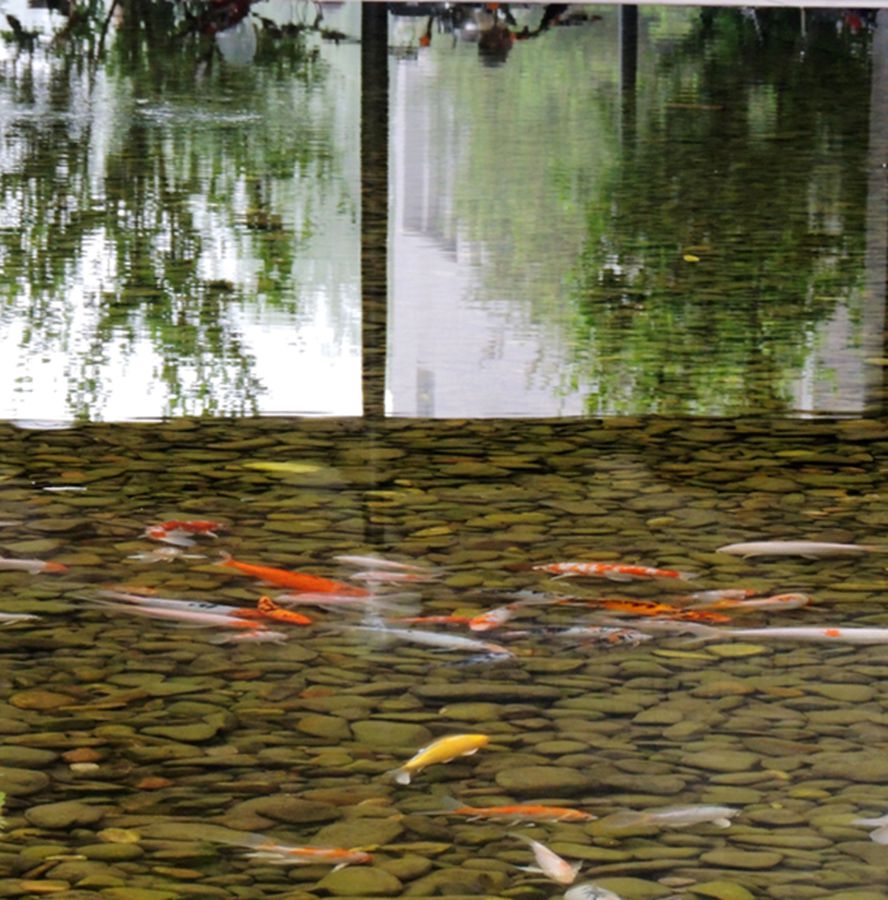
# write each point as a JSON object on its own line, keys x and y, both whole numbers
{"x": 440, "y": 751}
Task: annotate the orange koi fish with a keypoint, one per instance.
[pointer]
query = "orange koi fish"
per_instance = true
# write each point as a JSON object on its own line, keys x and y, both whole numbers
{"x": 294, "y": 581}
{"x": 519, "y": 812}
{"x": 613, "y": 571}
{"x": 649, "y": 608}
{"x": 433, "y": 620}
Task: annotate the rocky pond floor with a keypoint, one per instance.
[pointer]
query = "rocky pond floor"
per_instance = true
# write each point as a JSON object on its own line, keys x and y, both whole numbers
{"x": 136, "y": 752}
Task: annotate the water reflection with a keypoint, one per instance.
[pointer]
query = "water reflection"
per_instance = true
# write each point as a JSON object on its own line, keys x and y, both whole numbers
{"x": 180, "y": 235}
{"x": 691, "y": 241}
{"x": 554, "y": 210}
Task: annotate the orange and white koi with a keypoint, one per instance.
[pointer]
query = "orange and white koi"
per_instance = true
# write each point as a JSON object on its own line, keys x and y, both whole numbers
{"x": 177, "y": 531}
{"x": 613, "y": 571}
{"x": 518, "y": 812}
{"x": 181, "y": 614}
{"x": 493, "y": 618}
{"x": 266, "y": 608}
{"x": 401, "y": 603}
{"x": 442, "y": 750}
{"x": 777, "y": 601}
{"x": 284, "y": 854}
{"x": 294, "y": 581}
{"x": 549, "y": 862}
{"x": 605, "y": 634}
{"x": 33, "y": 566}
{"x": 452, "y": 619}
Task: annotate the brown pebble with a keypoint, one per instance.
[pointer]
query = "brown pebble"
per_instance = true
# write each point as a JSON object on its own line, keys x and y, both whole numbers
{"x": 152, "y": 783}
{"x": 81, "y": 755}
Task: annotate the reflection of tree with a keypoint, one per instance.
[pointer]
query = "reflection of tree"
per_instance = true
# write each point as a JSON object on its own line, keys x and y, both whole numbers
{"x": 145, "y": 187}
{"x": 735, "y": 223}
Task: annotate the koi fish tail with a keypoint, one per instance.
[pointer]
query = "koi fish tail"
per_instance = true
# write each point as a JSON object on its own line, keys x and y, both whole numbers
{"x": 687, "y": 576}
{"x": 224, "y": 559}
{"x": 448, "y": 804}
{"x": 401, "y": 775}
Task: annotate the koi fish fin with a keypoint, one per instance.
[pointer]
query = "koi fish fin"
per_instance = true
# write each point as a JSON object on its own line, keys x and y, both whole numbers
{"x": 616, "y": 576}
{"x": 871, "y": 823}
{"x": 880, "y": 835}
{"x": 224, "y": 559}
{"x": 399, "y": 775}
{"x": 722, "y": 823}
{"x": 688, "y": 576}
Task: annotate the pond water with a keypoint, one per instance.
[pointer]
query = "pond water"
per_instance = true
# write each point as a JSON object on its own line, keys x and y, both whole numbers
{"x": 655, "y": 336}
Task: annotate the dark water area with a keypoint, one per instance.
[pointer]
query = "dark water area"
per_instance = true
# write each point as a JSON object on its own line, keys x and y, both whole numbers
{"x": 549, "y": 291}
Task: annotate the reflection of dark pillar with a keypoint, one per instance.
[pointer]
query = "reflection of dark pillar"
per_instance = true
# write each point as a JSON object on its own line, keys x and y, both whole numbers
{"x": 374, "y": 203}
{"x": 628, "y": 66}
{"x": 628, "y": 47}
{"x": 877, "y": 214}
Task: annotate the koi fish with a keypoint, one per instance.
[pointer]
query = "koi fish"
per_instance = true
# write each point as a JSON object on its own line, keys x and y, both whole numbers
{"x": 605, "y": 634}
{"x": 377, "y": 562}
{"x": 256, "y": 634}
{"x": 879, "y": 834}
{"x": 437, "y": 639}
{"x": 807, "y": 549}
{"x": 442, "y": 750}
{"x": 829, "y": 633}
{"x": 777, "y": 601}
{"x": 188, "y": 616}
{"x": 648, "y": 608}
{"x": 493, "y": 618}
{"x": 306, "y": 856}
{"x": 294, "y": 581}
{"x": 12, "y": 618}
{"x": 613, "y": 571}
{"x": 549, "y": 862}
{"x": 266, "y": 608}
{"x": 589, "y": 892}
{"x": 177, "y": 532}
{"x": 432, "y": 620}
{"x": 379, "y": 576}
{"x": 671, "y": 817}
{"x": 393, "y": 603}
{"x": 164, "y": 554}
{"x": 33, "y": 566}
{"x": 722, "y": 594}
{"x": 521, "y": 812}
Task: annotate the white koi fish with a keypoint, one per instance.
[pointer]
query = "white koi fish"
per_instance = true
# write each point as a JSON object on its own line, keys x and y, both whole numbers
{"x": 671, "y": 817}
{"x": 807, "y": 549}
{"x": 168, "y": 602}
{"x": 605, "y": 634}
{"x": 437, "y": 639}
{"x": 257, "y": 635}
{"x": 12, "y": 618}
{"x": 549, "y": 862}
{"x": 589, "y": 892}
{"x": 378, "y": 562}
{"x": 819, "y": 633}
{"x": 879, "y": 834}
